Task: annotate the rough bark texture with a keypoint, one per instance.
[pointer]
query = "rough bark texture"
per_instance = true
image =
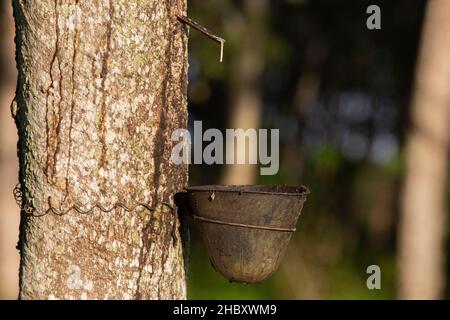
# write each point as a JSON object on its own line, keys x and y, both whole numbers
{"x": 422, "y": 226}
{"x": 102, "y": 85}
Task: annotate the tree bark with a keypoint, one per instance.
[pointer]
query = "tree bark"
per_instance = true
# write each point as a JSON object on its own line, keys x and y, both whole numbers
{"x": 421, "y": 231}
{"x": 102, "y": 85}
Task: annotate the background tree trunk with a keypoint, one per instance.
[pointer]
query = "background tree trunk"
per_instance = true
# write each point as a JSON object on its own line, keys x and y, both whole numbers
{"x": 246, "y": 109}
{"x": 421, "y": 232}
{"x": 102, "y": 85}
{"x": 9, "y": 212}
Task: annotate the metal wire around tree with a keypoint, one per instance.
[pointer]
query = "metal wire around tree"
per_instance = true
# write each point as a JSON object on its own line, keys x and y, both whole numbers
{"x": 28, "y": 208}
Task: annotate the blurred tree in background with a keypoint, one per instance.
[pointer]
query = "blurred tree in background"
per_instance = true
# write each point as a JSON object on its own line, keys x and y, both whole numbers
{"x": 422, "y": 224}
{"x": 9, "y": 168}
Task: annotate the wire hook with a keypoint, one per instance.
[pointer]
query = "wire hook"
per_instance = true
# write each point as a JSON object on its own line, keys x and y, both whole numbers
{"x": 186, "y": 20}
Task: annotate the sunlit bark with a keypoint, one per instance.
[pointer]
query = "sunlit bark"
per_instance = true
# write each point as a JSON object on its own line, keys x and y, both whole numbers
{"x": 102, "y": 85}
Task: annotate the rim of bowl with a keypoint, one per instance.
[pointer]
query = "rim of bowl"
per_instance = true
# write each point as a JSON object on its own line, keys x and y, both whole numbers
{"x": 254, "y": 189}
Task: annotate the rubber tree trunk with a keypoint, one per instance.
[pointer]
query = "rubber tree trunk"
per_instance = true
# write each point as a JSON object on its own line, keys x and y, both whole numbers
{"x": 102, "y": 85}
{"x": 421, "y": 232}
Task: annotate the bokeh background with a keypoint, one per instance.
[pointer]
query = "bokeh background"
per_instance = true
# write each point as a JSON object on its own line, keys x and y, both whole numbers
{"x": 339, "y": 93}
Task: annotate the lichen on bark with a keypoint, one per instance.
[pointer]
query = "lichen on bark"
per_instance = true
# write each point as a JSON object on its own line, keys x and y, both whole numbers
{"x": 102, "y": 85}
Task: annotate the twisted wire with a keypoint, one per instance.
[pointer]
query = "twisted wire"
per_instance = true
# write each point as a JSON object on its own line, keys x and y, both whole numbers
{"x": 80, "y": 208}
